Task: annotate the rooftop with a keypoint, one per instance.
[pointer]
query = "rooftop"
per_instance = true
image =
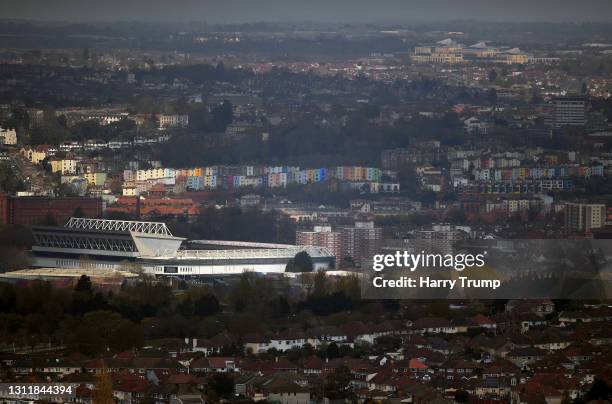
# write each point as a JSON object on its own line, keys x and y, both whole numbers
{"x": 66, "y": 273}
{"x": 118, "y": 225}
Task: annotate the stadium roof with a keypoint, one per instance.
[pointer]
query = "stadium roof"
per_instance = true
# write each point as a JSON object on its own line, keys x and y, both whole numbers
{"x": 242, "y": 244}
{"x": 118, "y": 225}
{"x": 153, "y": 241}
{"x": 248, "y": 253}
{"x": 119, "y": 238}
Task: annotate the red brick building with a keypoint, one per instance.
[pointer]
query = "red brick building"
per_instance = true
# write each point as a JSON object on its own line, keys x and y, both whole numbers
{"x": 323, "y": 236}
{"x": 38, "y": 209}
{"x": 151, "y": 207}
{"x": 359, "y": 242}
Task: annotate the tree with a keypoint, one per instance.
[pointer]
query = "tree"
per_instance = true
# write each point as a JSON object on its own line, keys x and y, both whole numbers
{"x": 338, "y": 384}
{"x": 290, "y": 267}
{"x": 492, "y": 75}
{"x": 12, "y": 257}
{"x": 199, "y": 119}
{"x": 126, "y": 335}
{"x": 143, "y": 299}
{"x": 252, "y": 292}
{"x": 185, "y": 307}
{"x": 8, "y": 297}
{"x": 326, "y": 304}
{"x": 599, "y": 391}
{"x": 199, "y": 304}
{"x": 84, "y": 298}
{"x": 222, "y": 384}
{"x": 439, "y": 308}
{"x": 98, "y": 331}
{"x": 206, "y": 305}
{"x": 103, "y": 389}
{"x": 116, "y": 187}
{"x": 492, "y": 96}
{"x": 280, "y": 307}
{"x": 302, "y": 262}
{"x": 462, "y": 396}
{"x": 407, "y": 177}
{"x": 222, "y": 116}
{"x": 9, "y": 182}
{"x": 332, "y": 351}
{"x": 319, "y": 288}
{"x": 84, "y": 285}
{"x": 566, "y": 399}
{"x": 243, "y": 224}
{"x": 388, "y": 343}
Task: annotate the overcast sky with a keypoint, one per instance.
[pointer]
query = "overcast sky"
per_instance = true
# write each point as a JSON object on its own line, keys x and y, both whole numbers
{"x": 222, "y": 11}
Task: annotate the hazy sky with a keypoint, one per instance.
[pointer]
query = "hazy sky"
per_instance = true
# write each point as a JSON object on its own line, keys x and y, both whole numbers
{"x": 220, "y": 11}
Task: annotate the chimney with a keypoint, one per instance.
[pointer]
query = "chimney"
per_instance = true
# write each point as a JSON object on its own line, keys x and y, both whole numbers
{"x": 137, "y": 207}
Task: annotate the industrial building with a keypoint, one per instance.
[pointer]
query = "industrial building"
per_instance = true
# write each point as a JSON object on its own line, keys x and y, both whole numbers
{"x": 29, "y": 210}
{"x": 117, "y": 244}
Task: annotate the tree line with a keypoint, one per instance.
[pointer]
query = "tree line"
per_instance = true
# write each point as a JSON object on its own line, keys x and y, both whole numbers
{"x": 89, "y": 320}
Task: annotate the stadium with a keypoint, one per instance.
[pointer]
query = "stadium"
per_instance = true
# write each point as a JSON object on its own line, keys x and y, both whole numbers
{"x": 119, "y": 244}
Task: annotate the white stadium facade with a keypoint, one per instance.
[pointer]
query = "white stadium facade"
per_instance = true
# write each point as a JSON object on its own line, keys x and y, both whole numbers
{"x": 111, "y": 244}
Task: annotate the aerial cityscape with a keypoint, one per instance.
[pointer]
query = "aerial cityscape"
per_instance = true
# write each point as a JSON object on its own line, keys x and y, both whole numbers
{"x": 194, "y": 200}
